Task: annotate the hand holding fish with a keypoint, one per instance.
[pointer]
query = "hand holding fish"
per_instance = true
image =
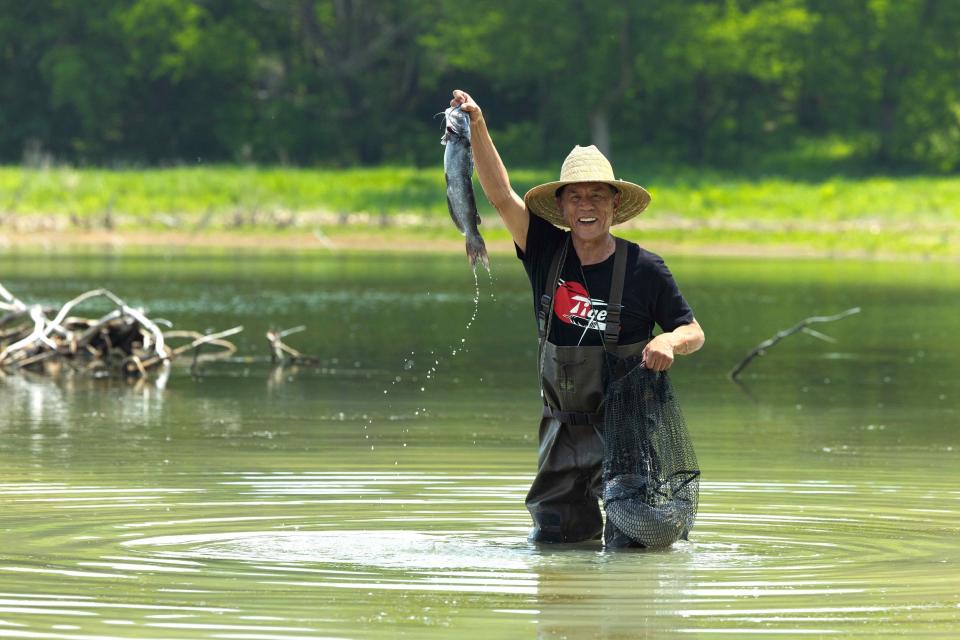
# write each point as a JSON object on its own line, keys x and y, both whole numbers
{"x": 467, "y": 104}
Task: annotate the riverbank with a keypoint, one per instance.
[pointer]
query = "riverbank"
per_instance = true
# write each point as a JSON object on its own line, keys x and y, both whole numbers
{"x": 401, "y": 208}
{"x": 834, "y": 243}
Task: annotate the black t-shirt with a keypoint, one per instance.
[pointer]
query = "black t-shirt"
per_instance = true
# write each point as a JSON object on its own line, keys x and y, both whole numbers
{"x": 650, "y": 295}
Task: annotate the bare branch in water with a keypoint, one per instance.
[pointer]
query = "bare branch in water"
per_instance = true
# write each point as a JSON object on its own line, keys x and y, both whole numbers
{"x": 803, "y": 326}
{"x": 278, "y": 348}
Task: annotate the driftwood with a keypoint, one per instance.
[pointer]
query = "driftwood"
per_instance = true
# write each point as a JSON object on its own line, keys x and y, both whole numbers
{"x": 124, "y": 341}
{"x": 802, "y": 326}
{"x": 281, "y": 353}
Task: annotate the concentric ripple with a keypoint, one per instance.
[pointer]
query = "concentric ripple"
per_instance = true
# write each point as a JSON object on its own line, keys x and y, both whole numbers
{"x": 381, "y": 549}
{"x": 806, "y": 556}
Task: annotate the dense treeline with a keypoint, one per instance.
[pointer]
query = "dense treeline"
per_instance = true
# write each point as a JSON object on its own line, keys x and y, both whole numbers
{"x": 358, "y": 81}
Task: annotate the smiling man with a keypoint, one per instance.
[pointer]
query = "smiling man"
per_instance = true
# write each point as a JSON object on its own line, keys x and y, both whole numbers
{"x": 594, "y": 295}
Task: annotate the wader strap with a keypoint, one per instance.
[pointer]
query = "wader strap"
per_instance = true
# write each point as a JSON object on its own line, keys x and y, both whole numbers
{"x": 611, "y": 332}
{"x": 573, "y": 418}
{"x": 545, "y": 316}
{"x": 546, "y": 300}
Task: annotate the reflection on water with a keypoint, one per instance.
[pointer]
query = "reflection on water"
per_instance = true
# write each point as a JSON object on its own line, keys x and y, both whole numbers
{"x": 37, "y": 399}
{"x": 248, "y": 502}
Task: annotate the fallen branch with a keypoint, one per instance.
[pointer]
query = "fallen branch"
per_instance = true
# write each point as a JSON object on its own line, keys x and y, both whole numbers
{"x": 12, "y": 302}
{"x": 124, "y": 308}
{"x": 15, "y": 350}
{"x": 803, "y": 325}
{"x": 123, "y": 341}
{"x": 278, "y": 348}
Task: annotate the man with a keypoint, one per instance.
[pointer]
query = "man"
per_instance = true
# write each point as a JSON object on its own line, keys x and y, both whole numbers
{"x": 594, "y": 294}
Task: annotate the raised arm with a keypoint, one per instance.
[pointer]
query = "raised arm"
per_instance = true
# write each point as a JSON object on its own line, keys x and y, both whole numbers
{"x": 492, "y": 173}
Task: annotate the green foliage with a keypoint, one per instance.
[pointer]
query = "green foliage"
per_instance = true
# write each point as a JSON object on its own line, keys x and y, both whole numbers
{"x": 346, "y": 82}
{"x": 702, "y": 209}
{"x": 680, "y": 194}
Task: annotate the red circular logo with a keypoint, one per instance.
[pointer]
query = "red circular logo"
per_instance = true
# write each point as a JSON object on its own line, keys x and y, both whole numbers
{"x": 571, "y": 300}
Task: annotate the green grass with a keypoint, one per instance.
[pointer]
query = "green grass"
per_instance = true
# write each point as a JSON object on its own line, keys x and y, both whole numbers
{"x": 873, "y": 214}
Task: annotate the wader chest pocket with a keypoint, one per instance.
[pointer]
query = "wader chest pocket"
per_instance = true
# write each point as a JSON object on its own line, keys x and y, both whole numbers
{"x": 572, "y": 379}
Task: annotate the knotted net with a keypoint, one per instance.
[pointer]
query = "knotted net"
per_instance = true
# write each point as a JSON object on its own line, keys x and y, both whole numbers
{"x": 651, "y": 479}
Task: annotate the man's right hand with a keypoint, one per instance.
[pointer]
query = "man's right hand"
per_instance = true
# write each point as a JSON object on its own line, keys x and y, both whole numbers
{"x": 467, "y": 104}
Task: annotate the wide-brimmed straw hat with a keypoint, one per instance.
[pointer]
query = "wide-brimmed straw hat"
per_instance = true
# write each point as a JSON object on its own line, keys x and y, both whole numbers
{"x": 586, "y": 164}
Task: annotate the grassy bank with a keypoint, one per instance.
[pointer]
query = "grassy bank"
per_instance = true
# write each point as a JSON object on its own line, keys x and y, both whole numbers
{"x": 693, "y": 210}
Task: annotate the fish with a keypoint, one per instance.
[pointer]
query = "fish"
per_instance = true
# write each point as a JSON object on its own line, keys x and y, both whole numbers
{"x": 458, "y": 171}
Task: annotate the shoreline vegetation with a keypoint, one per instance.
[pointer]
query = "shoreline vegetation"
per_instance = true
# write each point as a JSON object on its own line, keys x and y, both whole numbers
{"x": 703, "y": 212}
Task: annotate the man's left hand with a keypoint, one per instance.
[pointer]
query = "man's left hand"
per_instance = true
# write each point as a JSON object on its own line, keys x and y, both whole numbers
{"x": 658, "y": 354}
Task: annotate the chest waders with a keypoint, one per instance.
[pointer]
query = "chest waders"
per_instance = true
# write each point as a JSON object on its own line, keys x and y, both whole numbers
{"x": 563, "y": 499}
{"x": 609, "y": 422}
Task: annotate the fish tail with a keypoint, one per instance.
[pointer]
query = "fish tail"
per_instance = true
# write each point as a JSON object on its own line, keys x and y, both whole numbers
{"x": 477, "y": 250}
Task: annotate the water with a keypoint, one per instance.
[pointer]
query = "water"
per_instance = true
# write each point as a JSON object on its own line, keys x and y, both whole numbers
{"x": 245, "y": 501}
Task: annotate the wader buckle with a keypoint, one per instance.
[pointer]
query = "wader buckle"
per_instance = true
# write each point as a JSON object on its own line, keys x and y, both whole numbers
{"x": 611, "y": 332}
{"x": 542, "y": 315}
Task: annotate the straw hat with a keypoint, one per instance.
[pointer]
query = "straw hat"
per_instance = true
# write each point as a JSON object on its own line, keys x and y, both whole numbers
{"x": 586, "y": 164}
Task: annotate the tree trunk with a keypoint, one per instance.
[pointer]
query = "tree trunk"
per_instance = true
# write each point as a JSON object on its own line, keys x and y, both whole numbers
{"x": 701, "y": 119}
{"x": 600, "y": 131}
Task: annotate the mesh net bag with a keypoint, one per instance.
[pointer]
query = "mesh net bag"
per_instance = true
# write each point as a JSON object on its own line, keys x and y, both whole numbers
{"x": 651, "y": 479}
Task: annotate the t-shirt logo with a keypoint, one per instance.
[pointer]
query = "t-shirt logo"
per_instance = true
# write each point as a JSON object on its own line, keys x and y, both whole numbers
{"x": 573, "y": 305}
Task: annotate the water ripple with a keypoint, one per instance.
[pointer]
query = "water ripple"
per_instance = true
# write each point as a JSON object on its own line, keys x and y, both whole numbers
{"x": 810, "y": 556}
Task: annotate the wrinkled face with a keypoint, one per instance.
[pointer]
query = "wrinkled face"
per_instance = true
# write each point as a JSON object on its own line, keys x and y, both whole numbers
{"x": 588, "y": 208}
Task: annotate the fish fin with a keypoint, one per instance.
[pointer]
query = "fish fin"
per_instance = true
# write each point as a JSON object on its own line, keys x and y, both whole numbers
{"x": 473, "y": 198}
{"x": 454, "y": 217}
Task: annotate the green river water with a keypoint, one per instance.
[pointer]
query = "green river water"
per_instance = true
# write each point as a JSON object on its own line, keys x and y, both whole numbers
{"x": 380, "y": 494}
